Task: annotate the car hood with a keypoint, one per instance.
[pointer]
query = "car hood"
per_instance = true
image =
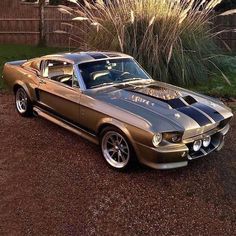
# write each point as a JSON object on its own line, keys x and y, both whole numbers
{"x": 164, "y": 106}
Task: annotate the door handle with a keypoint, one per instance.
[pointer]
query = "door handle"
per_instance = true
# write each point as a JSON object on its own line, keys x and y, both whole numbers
{"x": 42, "y": 81}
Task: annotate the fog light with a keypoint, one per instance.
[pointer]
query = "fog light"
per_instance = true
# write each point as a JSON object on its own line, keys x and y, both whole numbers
{"x": 157, "y": 138}
{"x": 197, "y": 145}
{"x": 206, "y": 141}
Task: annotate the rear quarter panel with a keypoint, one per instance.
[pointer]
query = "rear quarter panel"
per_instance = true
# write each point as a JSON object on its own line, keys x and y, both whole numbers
{"x": 14, "y": 74}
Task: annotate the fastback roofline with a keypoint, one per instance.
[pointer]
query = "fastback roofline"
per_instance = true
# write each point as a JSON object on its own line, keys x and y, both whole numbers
{"x": 102, "y": 59}
{"x": 85, "y": 57}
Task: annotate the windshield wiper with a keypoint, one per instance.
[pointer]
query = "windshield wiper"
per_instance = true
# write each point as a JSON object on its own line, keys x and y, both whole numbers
{"x": 101, "y": 85}
{"x": 136, "y": 79}
{"x": 121, "y": 82}
{"x": 131, "y": 79}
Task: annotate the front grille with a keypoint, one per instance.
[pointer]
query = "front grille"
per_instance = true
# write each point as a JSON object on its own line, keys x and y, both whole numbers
{"x": 216, "y": 140}
{"x": 202, "y": 152}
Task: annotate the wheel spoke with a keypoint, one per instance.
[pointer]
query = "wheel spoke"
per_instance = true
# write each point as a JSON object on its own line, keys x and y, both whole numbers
{"x": 111, "y": 143}
{"x": 22, "y": 95}
{"x": 111, "y": 150}
{"x": 124, "y": 151}
{"x": 119, "y": 157}
{"x": 113, "y": 154}
{"x": 112, "y": 140}
{"x": 122, "y": 157}
{"x": 119, "y": 139}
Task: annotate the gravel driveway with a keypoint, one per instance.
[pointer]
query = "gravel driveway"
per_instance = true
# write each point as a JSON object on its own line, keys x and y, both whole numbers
{"x": 54, "y": 182}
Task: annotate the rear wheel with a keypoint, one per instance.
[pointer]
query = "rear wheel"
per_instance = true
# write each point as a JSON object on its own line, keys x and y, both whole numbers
{"x": 116, "y": 149}
{"x": 23, "y": 103}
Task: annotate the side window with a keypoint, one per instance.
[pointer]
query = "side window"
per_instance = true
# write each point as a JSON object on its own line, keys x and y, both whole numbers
{"x": 60, "y": 71}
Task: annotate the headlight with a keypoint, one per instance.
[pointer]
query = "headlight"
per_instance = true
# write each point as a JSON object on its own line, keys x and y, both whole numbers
{"x": 157, "y": 138}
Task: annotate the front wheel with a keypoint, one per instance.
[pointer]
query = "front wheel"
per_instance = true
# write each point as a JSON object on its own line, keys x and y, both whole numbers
{"x": 23, "y": 103}
{"x": 116, "y": 149}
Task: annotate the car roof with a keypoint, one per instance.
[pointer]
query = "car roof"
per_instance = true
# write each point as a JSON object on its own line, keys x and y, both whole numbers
{"x": 83, "y": 57}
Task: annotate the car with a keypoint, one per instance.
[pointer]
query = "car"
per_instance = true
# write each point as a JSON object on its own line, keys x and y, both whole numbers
{"x": 109, "y": 99}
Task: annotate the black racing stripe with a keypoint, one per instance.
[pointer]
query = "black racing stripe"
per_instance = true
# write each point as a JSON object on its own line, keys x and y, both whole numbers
{"x": 195, "y": 115}
{"x": 97, "y": 55}
{"x": 215, "y": 115}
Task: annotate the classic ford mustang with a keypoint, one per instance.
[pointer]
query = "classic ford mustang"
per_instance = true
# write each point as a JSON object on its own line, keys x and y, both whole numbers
{"x": 109, "y": 99}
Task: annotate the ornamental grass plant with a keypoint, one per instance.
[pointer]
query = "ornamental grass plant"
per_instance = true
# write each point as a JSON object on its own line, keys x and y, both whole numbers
{"x": 172, "y": 39}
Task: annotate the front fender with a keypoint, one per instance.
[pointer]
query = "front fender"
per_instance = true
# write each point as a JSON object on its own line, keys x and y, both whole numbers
{"x": 108, "y": 121}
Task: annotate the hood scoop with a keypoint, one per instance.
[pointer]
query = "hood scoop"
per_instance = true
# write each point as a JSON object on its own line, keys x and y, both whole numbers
{"x": 160, "y": 92}
{"x": 174, "y": 99}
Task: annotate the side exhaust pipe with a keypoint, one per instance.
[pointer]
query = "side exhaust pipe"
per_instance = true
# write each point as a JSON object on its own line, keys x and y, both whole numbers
{"x": 40, "y": 113}
{"x": 35, "y": 112}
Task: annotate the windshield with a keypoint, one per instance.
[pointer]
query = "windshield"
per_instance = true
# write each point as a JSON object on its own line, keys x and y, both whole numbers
{"x": 112, "y": 71}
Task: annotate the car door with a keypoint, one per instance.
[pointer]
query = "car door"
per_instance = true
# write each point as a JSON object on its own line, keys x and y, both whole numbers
{"x": 58, "y": 98}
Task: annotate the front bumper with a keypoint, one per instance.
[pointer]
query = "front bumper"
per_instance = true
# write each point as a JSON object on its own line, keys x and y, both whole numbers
{"x": 178, "y": 155}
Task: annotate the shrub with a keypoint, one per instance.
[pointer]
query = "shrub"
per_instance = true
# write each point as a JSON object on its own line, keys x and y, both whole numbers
{"x": 173, "y": 40}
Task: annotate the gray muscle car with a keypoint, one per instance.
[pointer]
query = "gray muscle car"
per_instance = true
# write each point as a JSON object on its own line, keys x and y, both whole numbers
{"x": 109, "y": 99}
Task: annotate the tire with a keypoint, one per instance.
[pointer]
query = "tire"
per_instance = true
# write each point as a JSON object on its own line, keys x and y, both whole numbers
{"x": 116, "y": 149}
{"x": 23, "y": 103}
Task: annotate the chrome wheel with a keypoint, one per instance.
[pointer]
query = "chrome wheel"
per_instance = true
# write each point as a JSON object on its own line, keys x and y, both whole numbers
{"x": 21, "y": 101}
{"x": 115, "y": 149}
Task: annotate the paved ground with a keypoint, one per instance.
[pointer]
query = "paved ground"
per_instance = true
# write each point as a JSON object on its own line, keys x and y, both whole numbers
{"x": 54, "y": 182}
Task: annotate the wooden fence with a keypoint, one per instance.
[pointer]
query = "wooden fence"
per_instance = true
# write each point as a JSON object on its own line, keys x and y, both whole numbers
{"x": 228, "y": 38}
{"x": 19, "y": 23}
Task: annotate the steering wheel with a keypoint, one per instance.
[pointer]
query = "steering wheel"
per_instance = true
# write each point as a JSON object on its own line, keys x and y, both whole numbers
{"x": 122, "y": 75}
